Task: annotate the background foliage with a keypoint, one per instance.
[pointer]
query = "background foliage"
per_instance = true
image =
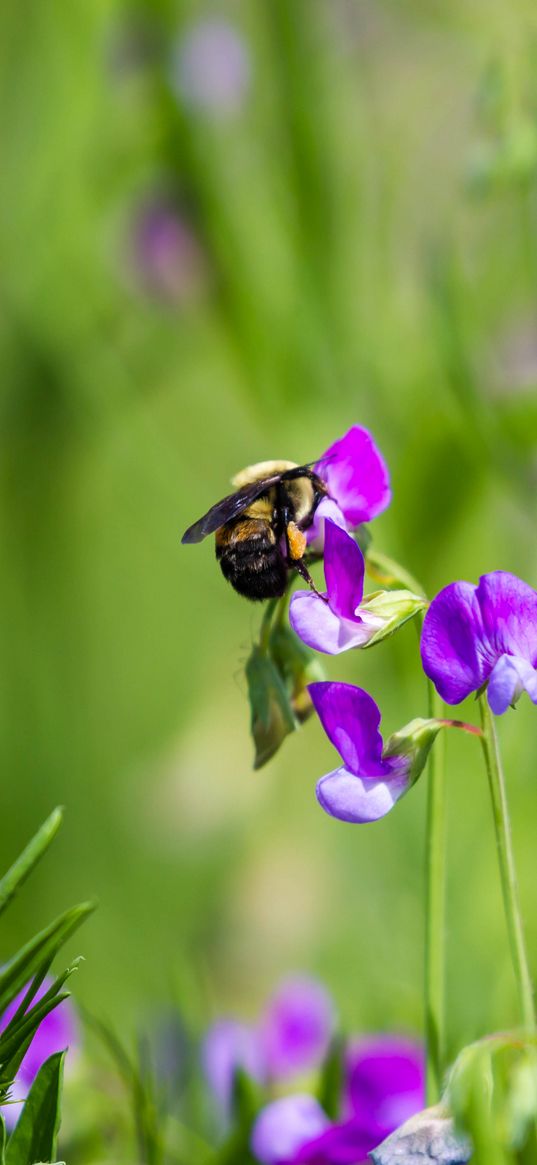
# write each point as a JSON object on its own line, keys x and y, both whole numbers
{"x": 361, "y": 248}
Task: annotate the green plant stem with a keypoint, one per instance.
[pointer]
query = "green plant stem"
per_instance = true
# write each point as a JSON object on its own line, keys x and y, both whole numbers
{"x": 435, "y": 910}
{"x": 506, "y": 862}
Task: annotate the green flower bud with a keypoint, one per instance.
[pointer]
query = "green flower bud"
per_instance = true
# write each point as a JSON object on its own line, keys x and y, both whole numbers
{"x": 392, "y": 609}
{"x": 272, "y": 717}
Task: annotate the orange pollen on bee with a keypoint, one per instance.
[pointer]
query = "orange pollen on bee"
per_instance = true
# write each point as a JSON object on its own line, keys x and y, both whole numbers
{"x": 297, "y": 542}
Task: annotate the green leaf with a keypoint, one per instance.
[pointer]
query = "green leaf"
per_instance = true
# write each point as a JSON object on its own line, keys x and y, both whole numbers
{"x": 29, "y": 857}
{"x": 44, "y": 946}
{"x": 297, "y": 665}
{"x": 332, "y": 1078}
{"x": 34, "y": 1137}
{"x": 2, "y": 1141}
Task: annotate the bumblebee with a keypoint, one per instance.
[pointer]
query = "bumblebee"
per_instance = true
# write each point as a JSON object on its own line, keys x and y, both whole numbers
{"x": 259, "y": 529}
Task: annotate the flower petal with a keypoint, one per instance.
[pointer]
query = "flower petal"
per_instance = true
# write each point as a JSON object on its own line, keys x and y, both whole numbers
{"x": 318, "y": 626}
{"x": 349, "y": 798}
{"x": 284, "y": 1126}
{"x": 385, "y": 1083}
{"x": 344, "y": 570}
{"x": 509, "y": 610}
{"x": 327, "y": 509}
{"x": 351, "y": 720}
{"x": 342, "y": 1144}
{"x": 356, "y": 475}
{"x": 455, "y": 651}
{"x": 510, "y": 677}
{"x": 297, "y": 1027}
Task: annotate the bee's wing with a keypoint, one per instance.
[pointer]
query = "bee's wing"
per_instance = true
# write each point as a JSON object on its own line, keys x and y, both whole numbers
{"x": 230, "y": 507}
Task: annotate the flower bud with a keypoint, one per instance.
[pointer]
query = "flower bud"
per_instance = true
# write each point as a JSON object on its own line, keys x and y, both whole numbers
{"x": 297, "y": 666}
{"x": 492, "y": 1091}
{"x": 414, "y": 742}
{"x": 272, "y": 717}
{"x": 392, "y": 609}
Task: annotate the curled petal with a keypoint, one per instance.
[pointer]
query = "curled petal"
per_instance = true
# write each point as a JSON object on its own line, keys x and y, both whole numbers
{"x": 284, "y": 1126}
{"x": 350, "y": 798}
{"x": 344, "y": 570}
{"x": 317, "y": 625}
{"x": 454, "y": 648}
{"x": 510, "y": 677}
{"x": 509, "y": 611}
{"x": 327, "y": 509}
{"x": 351, "y": 721}
{"x": 356, "y": 475}
{"x": 297, "y": 1027}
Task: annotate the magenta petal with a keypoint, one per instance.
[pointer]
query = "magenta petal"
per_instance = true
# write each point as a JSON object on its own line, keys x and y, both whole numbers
{"x": 509, "y": 611}
{"x": 297, "y": 1027}
{"x": 351, "y": 721}
{"x": 350, "y": 798}
{"x": 510, "y": 677}
{"x": 317, "y": 625}
{"x": 284, "y": 1126}
{"x": 344, "y": 569}
{"x": 327, "y": 509}
{"x": 454, "y": 648}
{"x": 342, "y": 1144}
{"x": 356, "y": 475}
{"x": 385, "y": 1083}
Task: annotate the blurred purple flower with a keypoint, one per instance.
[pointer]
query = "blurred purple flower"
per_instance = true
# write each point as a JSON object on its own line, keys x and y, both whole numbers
{"x": 211, "y": 67}
{"x": 292, "y": 1036}
{"x": 474, "y": 635}
{"x": 228, "y": 1047}
{"x": 337, "y": 624}
{"x": 384, "y": 1086}
{"x": 358, "y": 483}
{"x": 367, "y": 784}
{"x": 296, "y": 1027}
{"x": 167, "y": 255}
{"x": 59, "y": 1030}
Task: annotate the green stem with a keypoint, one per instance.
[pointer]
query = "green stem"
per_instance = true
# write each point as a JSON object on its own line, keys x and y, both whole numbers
{"x": 506, "y": 861}
{"x": 435, "y": 910}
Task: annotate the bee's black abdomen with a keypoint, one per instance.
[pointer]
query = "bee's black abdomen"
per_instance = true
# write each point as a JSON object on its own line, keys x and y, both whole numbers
{"x": 252, "y": 562}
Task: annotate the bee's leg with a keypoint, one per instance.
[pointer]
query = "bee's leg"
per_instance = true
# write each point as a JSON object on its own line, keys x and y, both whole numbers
{"x": 302, "y": 569}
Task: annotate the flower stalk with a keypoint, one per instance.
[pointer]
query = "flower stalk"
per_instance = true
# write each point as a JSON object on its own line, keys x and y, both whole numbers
{"x": 435, "y": 912}
{"x": 506, "y": 862}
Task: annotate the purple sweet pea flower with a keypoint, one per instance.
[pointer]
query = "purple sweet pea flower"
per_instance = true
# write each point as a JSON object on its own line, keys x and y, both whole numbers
{"x": 474, "y": 635}
{"x": 292, "y": 1036}
{"x": 296, "y": 1027}
{"x": 358, "y": 483}
{"x": 58, "y": 1030}
{"x": 211, "y": 67}
{"x": 384, "y": 1086}
{"x": 367, "y": 785}
{"x": 229, "y": 1046}
{"x": 334, "y": 622}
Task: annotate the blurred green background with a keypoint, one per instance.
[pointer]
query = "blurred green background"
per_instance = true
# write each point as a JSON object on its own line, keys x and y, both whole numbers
{"x": 228, "y": 232}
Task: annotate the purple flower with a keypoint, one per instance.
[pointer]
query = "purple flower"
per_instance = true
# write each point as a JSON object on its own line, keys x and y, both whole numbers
{"x": 357, "y": 479}
{"x": 296, "y": 1027}
{"x": 230, "y": 1046}
{"x": 212, "y": 68}
{"x": 474, "y": 635}
{"x": 368, "y": 783}
{"x": 384, "y": 1086}
{"x": 167, "y": 255}
{"x": 58, "y": 1030}
{"x": 283, "y": 1127}
{"x": 339, "y": 619}
{"x": 292, "y": 1036}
